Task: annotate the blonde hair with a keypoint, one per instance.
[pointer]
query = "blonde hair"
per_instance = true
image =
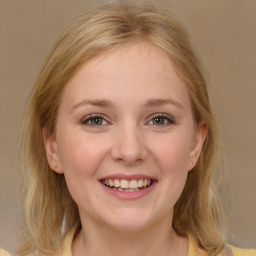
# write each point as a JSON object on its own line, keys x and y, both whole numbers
{"x": 49, "y": 209}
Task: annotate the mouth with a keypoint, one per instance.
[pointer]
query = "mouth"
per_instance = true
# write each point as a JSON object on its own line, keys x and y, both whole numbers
{"x": 125, "y": 185}
{"x": 128, "y": 187}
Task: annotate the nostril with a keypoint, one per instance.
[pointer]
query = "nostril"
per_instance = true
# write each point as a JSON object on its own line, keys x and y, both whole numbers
{"x": 129, "y": 145}
{"x": 129, "y": 157}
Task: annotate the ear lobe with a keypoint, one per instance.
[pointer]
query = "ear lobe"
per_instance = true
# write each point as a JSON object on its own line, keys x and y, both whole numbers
{"x": 51, "y": 150}
{"x": 200, "y": 135}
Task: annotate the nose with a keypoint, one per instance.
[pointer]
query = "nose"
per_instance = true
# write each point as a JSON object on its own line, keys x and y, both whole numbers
{"x": 129, "y": 145}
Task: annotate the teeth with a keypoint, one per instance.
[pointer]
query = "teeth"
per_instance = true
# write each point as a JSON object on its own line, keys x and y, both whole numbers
{"x": 111, "y": 184}
{"x": 116, "y": 183}
{"x": 127, "y": 189}
{"x": 131, "y": 186}
{"x": 140, "y": 183}
{"x": 124, "y": 184}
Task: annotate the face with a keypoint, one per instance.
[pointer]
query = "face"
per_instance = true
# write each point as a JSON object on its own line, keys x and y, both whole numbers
{"x": 125, "y": 138}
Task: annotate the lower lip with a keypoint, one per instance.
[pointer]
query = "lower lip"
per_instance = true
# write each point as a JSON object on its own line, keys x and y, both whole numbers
{"x": 129, "y": 195}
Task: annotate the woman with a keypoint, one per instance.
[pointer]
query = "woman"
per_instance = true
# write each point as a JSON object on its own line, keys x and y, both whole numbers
{"x": 120, "y": 143}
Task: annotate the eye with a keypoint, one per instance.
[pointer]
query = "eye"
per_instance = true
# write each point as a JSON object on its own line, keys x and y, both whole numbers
{"x": 94, "y": 120}
{"x": 161, "y": 120}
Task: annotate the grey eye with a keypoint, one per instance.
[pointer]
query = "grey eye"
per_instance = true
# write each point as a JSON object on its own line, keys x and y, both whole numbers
{"x": 94, "y": 121}
{"x": 161, "y": 120}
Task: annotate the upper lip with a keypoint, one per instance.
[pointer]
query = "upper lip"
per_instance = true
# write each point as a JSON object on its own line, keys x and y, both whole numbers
{"x": 128, "y": 177}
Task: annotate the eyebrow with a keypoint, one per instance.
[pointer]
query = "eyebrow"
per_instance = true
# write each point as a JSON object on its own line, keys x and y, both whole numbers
{"x": 162, "y": 101}
{"x": 109, "y": 104}
{"x": 96, "y": 103}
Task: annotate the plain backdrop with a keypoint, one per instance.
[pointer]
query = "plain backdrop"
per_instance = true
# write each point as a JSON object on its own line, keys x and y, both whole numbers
{"x": 224, "y": 35}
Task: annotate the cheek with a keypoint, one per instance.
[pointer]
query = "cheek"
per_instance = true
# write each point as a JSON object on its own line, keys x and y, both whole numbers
{"x": 172, "y": 157}
{"x": 173, "y": 153}
{"x": 174, "y": 167}
{"x": 81, "y": 157}
{"x": 79, "y": 151}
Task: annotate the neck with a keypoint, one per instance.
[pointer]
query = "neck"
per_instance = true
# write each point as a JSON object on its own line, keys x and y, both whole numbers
{"x": 158, "y": 239}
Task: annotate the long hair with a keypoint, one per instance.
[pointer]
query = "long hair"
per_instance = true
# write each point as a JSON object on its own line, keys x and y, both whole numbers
{"x": 49, "y": 209}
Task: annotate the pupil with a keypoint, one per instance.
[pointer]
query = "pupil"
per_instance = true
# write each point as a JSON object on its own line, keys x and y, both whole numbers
{"x": 159, "y": 120}
{"x": 97, "y": 121}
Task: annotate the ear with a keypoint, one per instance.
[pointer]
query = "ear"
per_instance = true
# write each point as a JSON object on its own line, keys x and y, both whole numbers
{"x": 199, "y": 138}
{"x": 51, "y": 150}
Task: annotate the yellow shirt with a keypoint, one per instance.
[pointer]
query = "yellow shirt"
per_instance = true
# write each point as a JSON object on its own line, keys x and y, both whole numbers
{"x": 4, "y": 253}
{"x": 192, "y": 249}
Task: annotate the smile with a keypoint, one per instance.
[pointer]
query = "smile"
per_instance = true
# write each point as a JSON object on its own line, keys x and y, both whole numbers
{"x": 127, "y": 185}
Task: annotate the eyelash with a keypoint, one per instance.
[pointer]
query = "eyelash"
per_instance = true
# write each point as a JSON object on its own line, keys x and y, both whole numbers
{"x": 87, "y": 119}
{"x": 169, "y": 119}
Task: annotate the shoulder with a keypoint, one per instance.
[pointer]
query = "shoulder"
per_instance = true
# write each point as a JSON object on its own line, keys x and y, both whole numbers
{"x": 243, "y": 252}
{"x": 230, "y": 250}
{"x": 4, "y": 253}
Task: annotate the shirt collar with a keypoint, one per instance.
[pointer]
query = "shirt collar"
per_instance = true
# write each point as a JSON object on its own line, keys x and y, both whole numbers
{"x": 67, "y": 244}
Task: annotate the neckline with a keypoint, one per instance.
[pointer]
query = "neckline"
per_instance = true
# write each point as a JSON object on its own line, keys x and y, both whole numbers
{"x": 69, "y": 237}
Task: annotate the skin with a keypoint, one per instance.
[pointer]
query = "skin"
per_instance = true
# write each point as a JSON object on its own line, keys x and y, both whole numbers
{"x": 127, "y": 139}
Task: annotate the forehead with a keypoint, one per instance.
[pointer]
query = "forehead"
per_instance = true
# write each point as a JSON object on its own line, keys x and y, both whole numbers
{"x": 137, "y": 70}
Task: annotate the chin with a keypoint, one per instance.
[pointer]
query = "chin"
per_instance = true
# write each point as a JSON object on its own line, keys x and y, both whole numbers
{"x": 128, "y": 220}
